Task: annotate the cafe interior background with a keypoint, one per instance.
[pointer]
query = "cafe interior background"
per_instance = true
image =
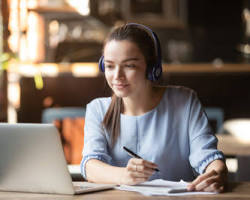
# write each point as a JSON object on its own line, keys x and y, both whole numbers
{"x": 49, "y": 50}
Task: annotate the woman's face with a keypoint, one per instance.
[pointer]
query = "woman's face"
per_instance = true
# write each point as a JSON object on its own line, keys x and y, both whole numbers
{"x": 125, "y": 68}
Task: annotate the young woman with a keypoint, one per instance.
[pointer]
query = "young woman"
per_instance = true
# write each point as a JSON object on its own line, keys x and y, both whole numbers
{"x": 165, "y": 126}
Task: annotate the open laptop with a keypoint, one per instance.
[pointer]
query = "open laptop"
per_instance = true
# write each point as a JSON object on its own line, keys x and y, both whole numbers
{"x": 32, "y": 160}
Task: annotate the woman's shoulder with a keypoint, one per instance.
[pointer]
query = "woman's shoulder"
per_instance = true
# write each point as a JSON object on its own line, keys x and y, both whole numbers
{"x": 100, "y": 100}
{"x": 179, "y": 95}
{"x": 101, "y": 104}
{"x": 180, "y": 90}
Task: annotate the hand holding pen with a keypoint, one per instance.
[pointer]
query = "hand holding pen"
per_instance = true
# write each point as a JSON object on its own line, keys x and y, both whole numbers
{"x": 137, "y": 170}
{"x": 131, "y": 153}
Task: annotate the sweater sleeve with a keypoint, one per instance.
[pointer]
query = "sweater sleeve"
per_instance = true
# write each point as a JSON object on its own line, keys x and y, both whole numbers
{"x": 95, "y": 140}
{"x": 203, "y": 142}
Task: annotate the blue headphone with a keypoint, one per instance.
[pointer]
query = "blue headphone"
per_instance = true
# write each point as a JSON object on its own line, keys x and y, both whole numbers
{"x": 155, "y": 73}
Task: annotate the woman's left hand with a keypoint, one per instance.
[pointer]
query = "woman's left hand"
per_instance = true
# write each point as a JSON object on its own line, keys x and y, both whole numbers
{"x": 212, "y": 180}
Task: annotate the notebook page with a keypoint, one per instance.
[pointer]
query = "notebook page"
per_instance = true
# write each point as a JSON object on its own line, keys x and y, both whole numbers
{"x": 161, "y": 187}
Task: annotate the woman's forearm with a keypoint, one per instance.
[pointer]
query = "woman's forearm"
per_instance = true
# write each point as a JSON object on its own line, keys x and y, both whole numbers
{"x": 100, "y": 172}
{"x": 136, "y": 171}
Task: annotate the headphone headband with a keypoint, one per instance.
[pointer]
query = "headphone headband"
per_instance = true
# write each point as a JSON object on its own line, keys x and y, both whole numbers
{"x": 155, "y": 73}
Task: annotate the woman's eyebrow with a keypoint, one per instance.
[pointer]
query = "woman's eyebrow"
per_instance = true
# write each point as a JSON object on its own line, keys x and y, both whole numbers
{"x": 109, "y": 61}
{"x": 130, "y": 59}
{"x": 126, "y": 60}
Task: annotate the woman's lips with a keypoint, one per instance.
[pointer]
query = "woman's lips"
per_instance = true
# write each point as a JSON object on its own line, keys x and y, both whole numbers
{"x": 120, "y": 86}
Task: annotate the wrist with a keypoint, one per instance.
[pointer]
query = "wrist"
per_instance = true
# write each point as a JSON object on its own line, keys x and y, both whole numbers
{"x": 120, "y": 180}
{"x": 218, "y": 166}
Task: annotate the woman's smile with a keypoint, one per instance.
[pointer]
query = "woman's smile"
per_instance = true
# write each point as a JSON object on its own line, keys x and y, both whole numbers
{"x": 120, "y": 86}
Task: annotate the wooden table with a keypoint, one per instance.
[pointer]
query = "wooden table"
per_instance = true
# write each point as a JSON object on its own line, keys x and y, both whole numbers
{"x": 240, "y": 149}
{"x": 231, "y": 145}
{"x": 239, "y": 190}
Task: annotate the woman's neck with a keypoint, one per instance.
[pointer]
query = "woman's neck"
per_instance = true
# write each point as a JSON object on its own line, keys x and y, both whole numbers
{"x": 147, "y": 101}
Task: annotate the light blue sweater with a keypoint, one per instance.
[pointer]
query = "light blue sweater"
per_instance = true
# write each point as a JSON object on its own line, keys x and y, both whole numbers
{"x": 175, "y": 135}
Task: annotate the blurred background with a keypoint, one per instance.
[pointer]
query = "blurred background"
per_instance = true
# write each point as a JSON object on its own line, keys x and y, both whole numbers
{"x": 49, "y": 50}
{"x": 49, "y": 47}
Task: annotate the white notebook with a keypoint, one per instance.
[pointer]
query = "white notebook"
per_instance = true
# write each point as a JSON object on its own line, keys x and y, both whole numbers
{"x": 161, "y": 187}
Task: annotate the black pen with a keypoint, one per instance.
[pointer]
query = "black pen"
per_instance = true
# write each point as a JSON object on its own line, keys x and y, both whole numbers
{"x": 131, "y": 153}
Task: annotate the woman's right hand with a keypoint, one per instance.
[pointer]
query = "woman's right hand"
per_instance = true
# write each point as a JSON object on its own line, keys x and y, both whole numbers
{"x": 137, "y": 171}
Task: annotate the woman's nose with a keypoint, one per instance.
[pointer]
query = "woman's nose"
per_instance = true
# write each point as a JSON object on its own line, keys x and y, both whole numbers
{"x": 118, "y": 72}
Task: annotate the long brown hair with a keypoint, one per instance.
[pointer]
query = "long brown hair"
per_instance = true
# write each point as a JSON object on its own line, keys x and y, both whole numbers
{"x": 143, "y": 39}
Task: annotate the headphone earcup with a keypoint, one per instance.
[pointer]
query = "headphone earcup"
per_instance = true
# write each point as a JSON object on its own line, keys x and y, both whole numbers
{"x": 101, "y": 64}
{"x": 157, "y": 68}
{"x": 155, "y": 73}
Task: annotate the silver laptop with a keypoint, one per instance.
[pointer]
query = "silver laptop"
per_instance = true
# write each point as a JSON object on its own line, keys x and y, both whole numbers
{"x": 32, "y": 160}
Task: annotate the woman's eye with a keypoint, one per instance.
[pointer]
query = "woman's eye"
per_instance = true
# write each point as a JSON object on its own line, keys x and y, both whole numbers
{"x": 130, "y": 65}
{"x": 108, "y": 66}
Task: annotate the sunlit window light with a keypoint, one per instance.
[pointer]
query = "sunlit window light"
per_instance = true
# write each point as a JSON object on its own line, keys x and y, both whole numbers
{"x": 49, "y": 69}
{"x": 32, "y": 3}
{"x": 23, "y": 49}
{"x": 12, "y": 115}
{"x": 13, "y": 26}
{"x": 23, "y": 14}
{"x": 14, "y": 101}
{"x": 28, "y": 69}
{"x": 86, "y": 69}
{"x": 35, "y": 45}
{"x": 14, "y": 94}
{"x": 232, "y": 164}
{"x": 81, "y": 6}
{"x": 240, "y": 129}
